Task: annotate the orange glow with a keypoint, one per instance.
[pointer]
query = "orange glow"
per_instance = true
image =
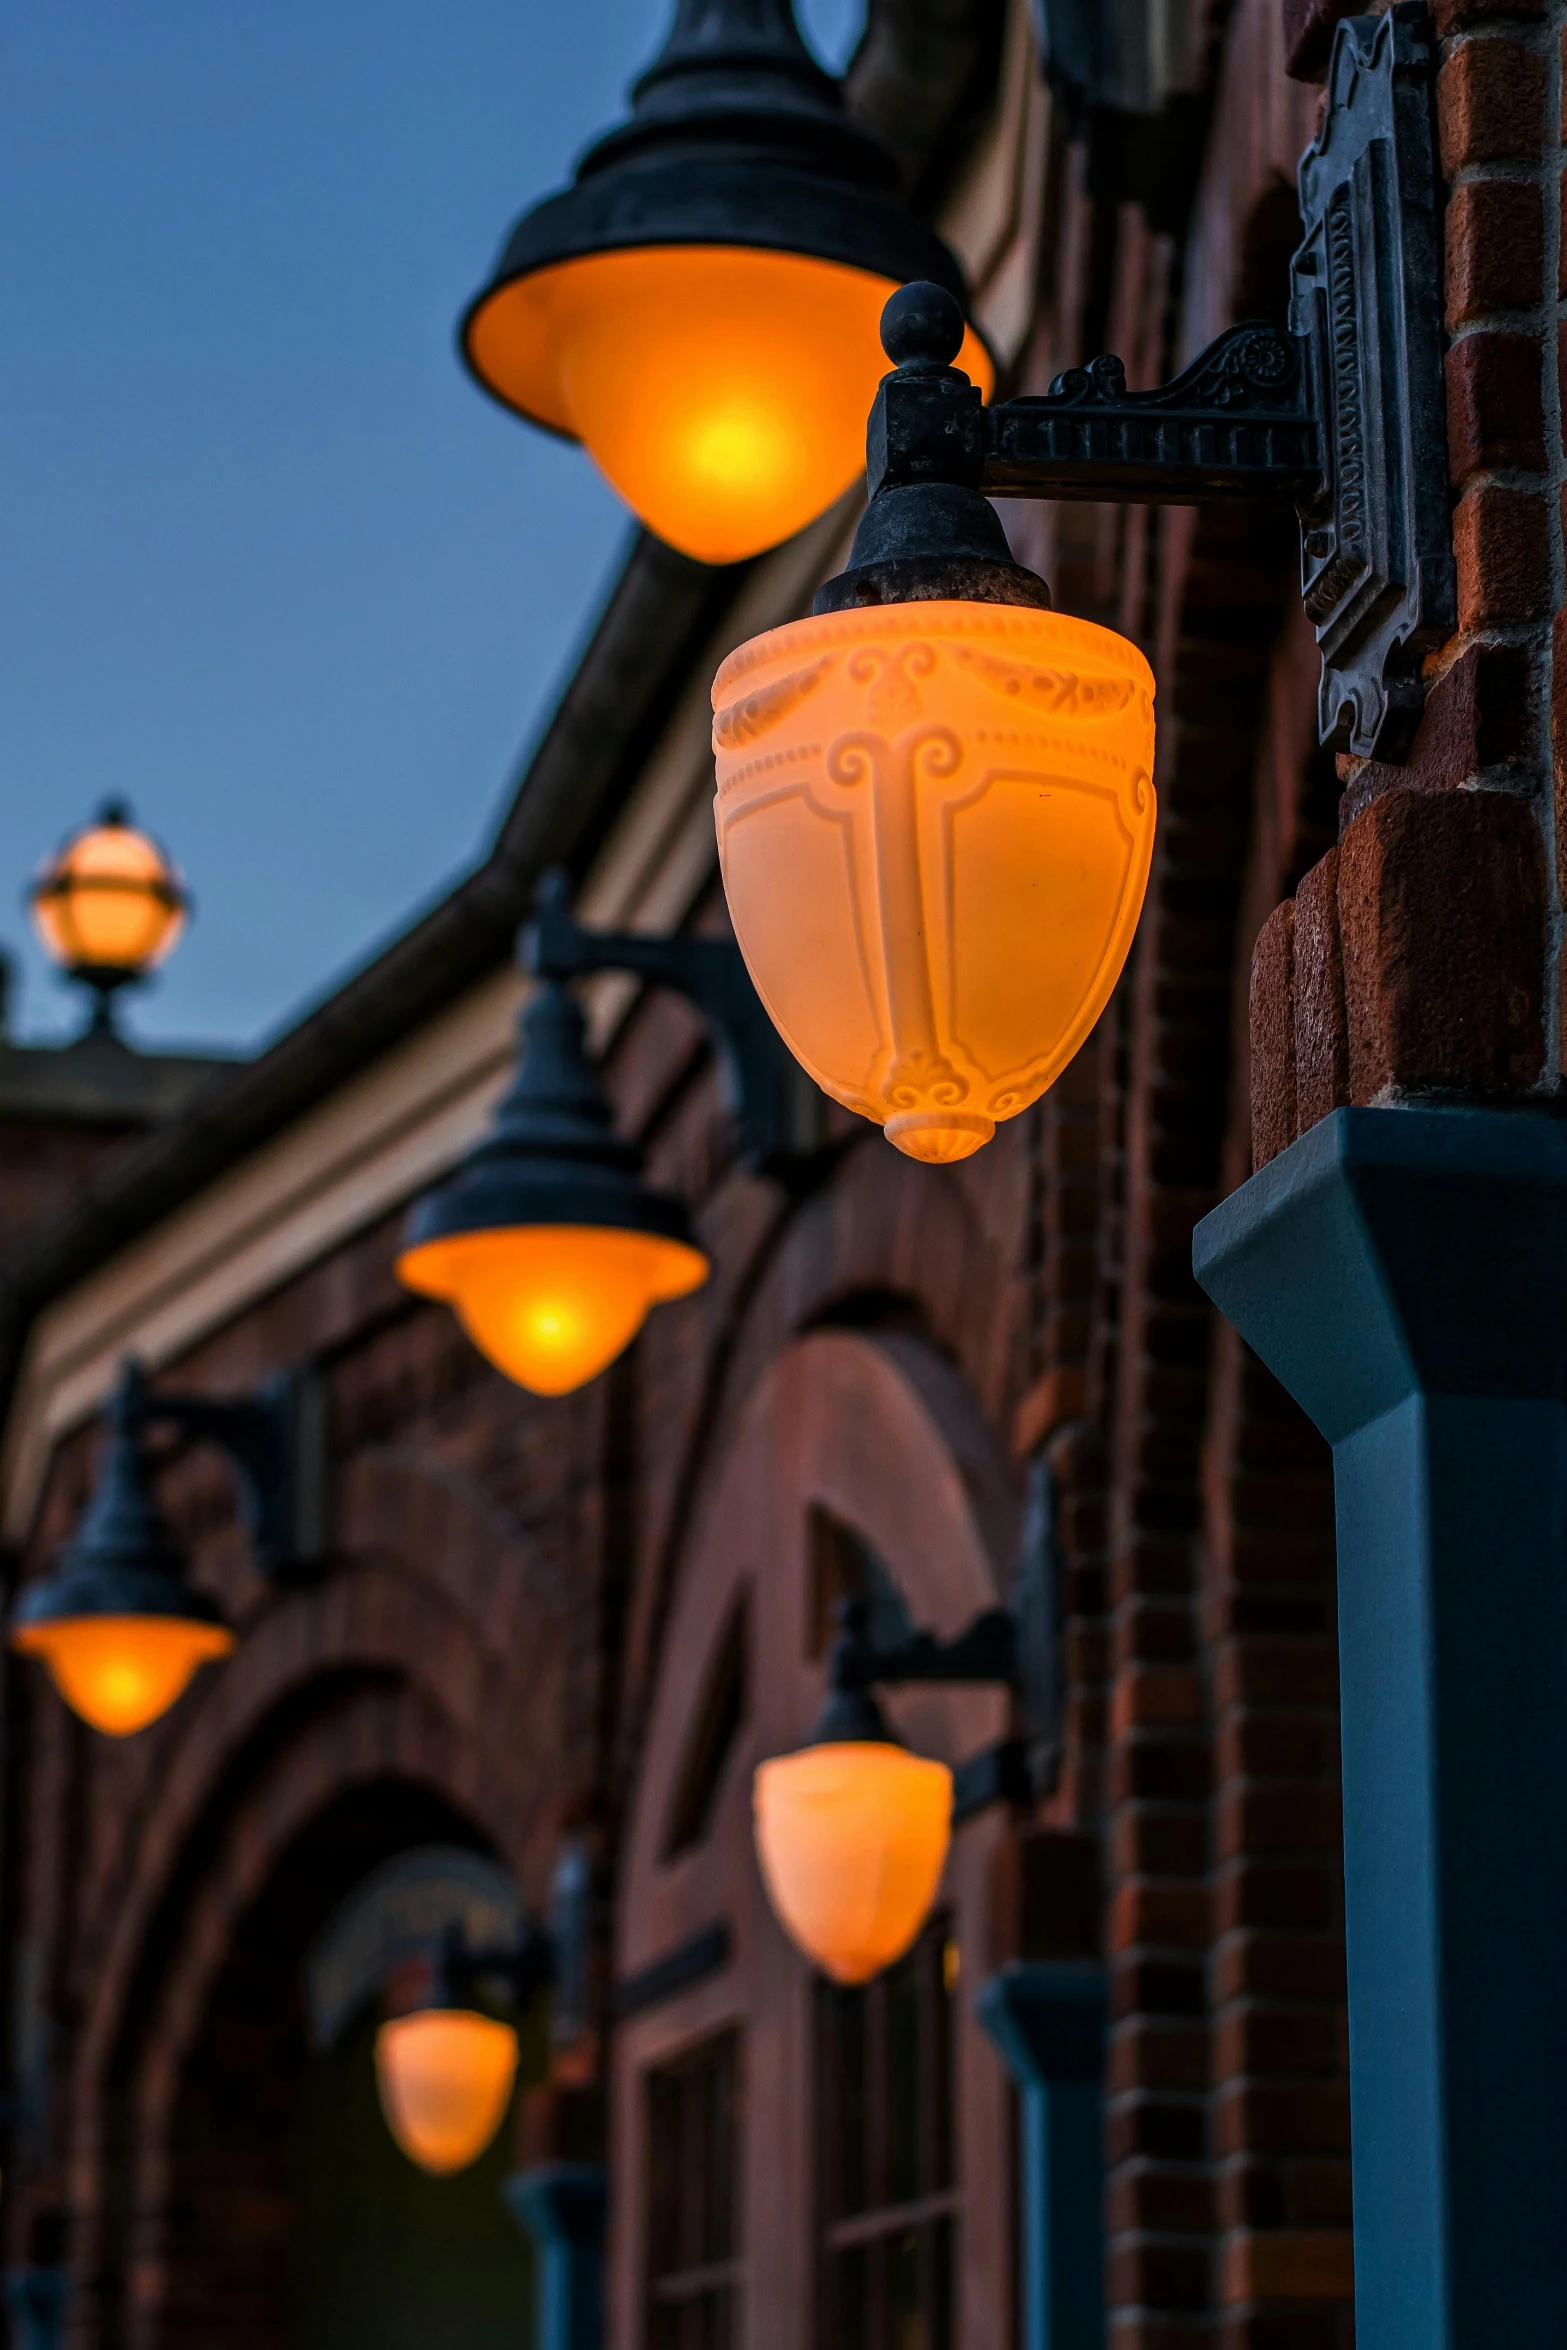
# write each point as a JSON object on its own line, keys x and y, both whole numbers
{"x": 445, "y": 2077}
{"x": 552, "y": 1305}
{"x": 852, "y": 1840}
{"x": 723, "y": 389}
{"x": 935, "y": 823}
{"x": 110, "y": 901}
{"x": 121, "y": 1672}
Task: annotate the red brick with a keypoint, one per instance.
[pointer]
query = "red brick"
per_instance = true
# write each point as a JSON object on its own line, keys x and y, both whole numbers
{"x": 1494, "y": 242}
{"x": 1442, "y": 913}
{"x": 1478, "y": 719}
{"x": 1270, "y": 2267}
{"x": 1273, "y": 1122}
{"x": 1502, "y": 548}
{"x": 1490, "y": 105}
{"x": 1309, "y": 27}
{"x": 1321, "y": 1035}
{"x": 1494, "y": 412}
{"x": 1456, "y": 16}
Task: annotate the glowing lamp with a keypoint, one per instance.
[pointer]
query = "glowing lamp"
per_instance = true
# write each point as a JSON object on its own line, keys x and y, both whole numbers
{"x": 120, "y": 1672}
{"x": 699, "y": 309}
{"x": 546, "y": 1242}
{"x": 935, "y": 806}
{"x": 109, "y": 905}
{"x": 852, "y": 1838}
{"x": 117, "y": 1625}
{"x": 445, "y": 2077}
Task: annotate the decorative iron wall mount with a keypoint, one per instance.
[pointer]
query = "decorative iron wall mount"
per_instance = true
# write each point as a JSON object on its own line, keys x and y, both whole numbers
{"x": 1344, "y": 414}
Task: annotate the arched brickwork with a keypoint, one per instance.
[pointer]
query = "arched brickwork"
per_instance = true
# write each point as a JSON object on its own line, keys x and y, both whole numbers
{"x": 398, "y": 1666}
{"x": 883, "y": 1432}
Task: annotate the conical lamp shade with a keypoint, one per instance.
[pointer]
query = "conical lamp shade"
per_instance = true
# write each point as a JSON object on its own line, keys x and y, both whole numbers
{"x": 700, "y": 308}
{"x": 117, "y": 1625}
{"x": 445, "y": 2079}
{"x": 852, "y": 1839}
{"x": 546, "y": 1242}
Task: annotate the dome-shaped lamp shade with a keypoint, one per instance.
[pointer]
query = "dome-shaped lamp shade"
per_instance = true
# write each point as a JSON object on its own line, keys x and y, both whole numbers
{"x": 722, "y": 391}
{"x": 119, "y": 1673}
{"x": 110, "y": 902}
{"x": 852, "y": 1839}
{"x": 935, "y": 822}
{"x": 552, "y": 1305}
{"x": 445, "y": 2079}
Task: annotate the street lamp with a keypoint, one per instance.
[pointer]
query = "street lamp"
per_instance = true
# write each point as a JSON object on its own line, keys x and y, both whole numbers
{"x": 852, "y": 1830}
{"x": 699, "y": 307}
{"x": 546, "y": 1242}
{"x": 445, "y": 2068}
{"x": 118, "y": 1626}
{"x": 109, "y": 906}
{"x": 935, "y": 810}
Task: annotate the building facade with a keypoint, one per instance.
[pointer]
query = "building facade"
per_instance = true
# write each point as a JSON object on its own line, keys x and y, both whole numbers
{"x": 589, "y": 1619}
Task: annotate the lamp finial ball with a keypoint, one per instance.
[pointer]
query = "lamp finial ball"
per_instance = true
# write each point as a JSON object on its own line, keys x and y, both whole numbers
{"x": 922, "y": 322}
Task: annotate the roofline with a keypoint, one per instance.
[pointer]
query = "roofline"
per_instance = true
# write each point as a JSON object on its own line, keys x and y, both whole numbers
{"x": 661, "y": 609}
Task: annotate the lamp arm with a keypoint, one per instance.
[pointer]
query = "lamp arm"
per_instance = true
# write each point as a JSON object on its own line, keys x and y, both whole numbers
{"x": 1344, "y": 415}
{"x": 274, "y": 1441}
{"x": 710, "y": 973}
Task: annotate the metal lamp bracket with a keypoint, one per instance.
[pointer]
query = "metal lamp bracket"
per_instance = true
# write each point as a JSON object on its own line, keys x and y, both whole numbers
{"x": 1015, "y": 1645}
{"x": 277, "y": 1442}
{"x": 1345, "y": 415}
{"x": 777, "y": 1110}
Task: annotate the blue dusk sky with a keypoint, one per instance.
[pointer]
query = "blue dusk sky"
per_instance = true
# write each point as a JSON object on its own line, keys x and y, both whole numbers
{"x": 271, "y": 567}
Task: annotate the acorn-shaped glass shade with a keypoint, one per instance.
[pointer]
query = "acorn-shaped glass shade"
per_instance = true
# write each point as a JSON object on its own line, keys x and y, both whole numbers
{"x": 445, "y": 2079}
{"x": 852, "y": 1839}
{"x": 722, "y": 391}
{"x": 546, "y": 1242}
{"x": 552, "y": 1305}
{"x": 110, "y": 903}
{"x": 935, "y": 822}
{"x": 119, "y": 1673}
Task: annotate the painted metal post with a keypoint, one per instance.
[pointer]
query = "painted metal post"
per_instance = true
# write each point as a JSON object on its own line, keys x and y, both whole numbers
{"x": 563, "y": 2206}
{"x": 1404, "y": 1274}
{"x": 37, "y": 2299}
{"x": 1049, "y": 2024}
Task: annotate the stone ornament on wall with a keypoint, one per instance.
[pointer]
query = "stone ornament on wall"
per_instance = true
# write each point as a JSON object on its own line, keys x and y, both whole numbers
{"x": 935, "y": 911}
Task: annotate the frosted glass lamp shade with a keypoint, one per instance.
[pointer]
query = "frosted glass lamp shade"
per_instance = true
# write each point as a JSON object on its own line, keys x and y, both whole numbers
{"x": 935, "y": 824}
{"x": 552, "y": 1305}
{"x": 445, "y": 2079}
{"x": 852, "y": 1839}
{"x": 723, "y": 391}
{"x": 119, "y": 1673}
{"x": 110, "y": 902}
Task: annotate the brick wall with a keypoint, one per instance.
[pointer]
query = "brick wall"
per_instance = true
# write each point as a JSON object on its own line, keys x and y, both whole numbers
{"x": 1419, "y": 957}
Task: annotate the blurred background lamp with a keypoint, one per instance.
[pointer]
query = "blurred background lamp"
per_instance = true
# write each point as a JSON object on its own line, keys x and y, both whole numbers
{"x": 699, "y": 308}
{"x": 109, "y": 905}
{"x": 445, "y": 2075}
{"x": 117, "y": 1625}
{"x": 935, "y": 805}
{"x": 852, "y": 1838}
{"x": 546, "y": 1242}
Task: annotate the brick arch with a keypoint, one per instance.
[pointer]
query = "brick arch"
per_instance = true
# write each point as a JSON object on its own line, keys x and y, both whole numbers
{"x": 394, "y": 1740}
{"x": 882, "y": 1225}
{"x": 392, "y": 1660}
{"x": 882, "y": 1430}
